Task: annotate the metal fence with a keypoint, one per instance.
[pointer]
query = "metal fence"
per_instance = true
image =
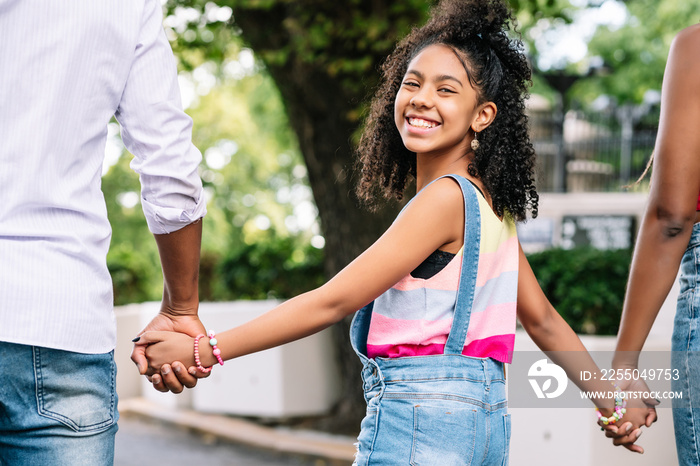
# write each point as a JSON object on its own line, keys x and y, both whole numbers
{"x": 593, "y": 151}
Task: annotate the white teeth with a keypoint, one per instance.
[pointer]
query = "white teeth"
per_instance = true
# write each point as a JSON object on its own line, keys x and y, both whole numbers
{"x": 420, "y": 123}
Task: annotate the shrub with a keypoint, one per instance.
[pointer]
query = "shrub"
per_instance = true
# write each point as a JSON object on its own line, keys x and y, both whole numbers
{"x": 278, "y": 268}
{"x": 586, "y": 286}
{"x": 132, "y": 275}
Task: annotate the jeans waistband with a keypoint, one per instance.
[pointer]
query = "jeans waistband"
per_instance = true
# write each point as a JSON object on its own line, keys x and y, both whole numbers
{"x": 421, "y": 368}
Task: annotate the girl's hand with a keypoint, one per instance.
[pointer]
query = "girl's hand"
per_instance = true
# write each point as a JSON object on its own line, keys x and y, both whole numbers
{"x": 641, "y": 412}
{"x": 165, "y": 347}
{"x": 165, "y": 321}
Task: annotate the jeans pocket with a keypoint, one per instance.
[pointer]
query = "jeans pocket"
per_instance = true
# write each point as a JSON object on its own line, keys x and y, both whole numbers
{"x": 443, "y": 435}
{"x": 75, "y": 389}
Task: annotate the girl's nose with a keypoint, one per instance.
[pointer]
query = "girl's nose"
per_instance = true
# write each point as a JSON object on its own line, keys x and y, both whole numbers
{"x": 420, "y": 99}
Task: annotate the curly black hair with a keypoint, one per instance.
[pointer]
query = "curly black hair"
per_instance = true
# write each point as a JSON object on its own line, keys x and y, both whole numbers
{"x": 499, "y": 72}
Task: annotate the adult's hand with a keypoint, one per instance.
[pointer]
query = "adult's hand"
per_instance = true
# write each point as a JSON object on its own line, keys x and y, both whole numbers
{"x": 174, "y": 377}
{"x": 641, "y": 412}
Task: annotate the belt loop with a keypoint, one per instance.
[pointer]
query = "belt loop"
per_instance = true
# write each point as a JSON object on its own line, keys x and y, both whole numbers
{"x": 373, "y": 375}
{"x": 487, "y": 377}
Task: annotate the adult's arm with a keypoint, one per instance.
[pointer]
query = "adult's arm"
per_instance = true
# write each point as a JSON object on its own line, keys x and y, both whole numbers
{"x": 671, "y": 209}
{"x": 158, "y": 133}
{"x": 179, "y": 255}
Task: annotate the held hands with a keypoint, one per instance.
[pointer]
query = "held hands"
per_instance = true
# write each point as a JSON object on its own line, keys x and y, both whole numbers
{"x": 640, "y": 412}
{"x": 166, "y": 376}
{"x": 162, "y": 347}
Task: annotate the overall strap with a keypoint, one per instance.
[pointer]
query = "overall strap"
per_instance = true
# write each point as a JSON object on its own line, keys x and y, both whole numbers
{"x": 470, "y": 263}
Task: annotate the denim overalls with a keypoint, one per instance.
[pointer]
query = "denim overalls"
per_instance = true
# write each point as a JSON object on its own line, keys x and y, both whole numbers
{"x": 444, "y": 409}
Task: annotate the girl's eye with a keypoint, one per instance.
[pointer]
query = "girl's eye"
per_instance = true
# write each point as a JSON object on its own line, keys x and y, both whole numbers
{"x": 410, "y": 83}
{"x": 445, "y": 90}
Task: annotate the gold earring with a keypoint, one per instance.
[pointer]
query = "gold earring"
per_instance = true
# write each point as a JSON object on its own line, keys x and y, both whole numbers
{"x": 475, "y": 143}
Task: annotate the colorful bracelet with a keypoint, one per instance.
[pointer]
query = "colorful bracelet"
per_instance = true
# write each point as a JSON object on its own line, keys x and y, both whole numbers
{"x": 620, "y": 409}
{"x": 216, "y": 350}
{"x": 196, "y": 355}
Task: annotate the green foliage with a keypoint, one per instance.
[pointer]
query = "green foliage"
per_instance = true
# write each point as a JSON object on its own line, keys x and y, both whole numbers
{"x": 273, "y": 268}
{"x": 131, "y": 275}
{"x": 340, "y": 39}
{"x": 635, "y": 54}
{"x": 254, "y": 178}
{"x": 586, "y": 286}
{"x": 133, "y": 256}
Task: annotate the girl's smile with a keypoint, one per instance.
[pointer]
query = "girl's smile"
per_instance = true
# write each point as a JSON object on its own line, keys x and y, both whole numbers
{"x": 420, "y": 124}
{"x": 436, "y": 104}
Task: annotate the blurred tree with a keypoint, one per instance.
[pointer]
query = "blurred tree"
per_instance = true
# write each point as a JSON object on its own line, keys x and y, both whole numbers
{"x": 323, "y": 57}
{"x": 255, "y": 183}
{"x": 133, "y": 257}
{"x": 632, "y": 55}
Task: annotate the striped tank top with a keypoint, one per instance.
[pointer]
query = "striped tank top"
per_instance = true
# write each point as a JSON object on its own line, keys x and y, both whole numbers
{"x": 414, "y": 317}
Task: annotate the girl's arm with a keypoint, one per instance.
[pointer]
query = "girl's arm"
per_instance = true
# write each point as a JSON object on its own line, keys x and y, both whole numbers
{"x": 435, "y": 219}
{"x": 670, "y": 213}
{"x": 555, "y": 337}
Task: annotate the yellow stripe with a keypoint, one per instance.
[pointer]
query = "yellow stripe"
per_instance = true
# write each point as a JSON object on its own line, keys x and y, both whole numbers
{"x": 494, "y": 232}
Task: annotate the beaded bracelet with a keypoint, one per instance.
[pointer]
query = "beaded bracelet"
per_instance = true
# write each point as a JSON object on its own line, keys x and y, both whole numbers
{"x": 620, "y": 409}
{"x": 213, "y": 342}
{"x": 196, "y": 355}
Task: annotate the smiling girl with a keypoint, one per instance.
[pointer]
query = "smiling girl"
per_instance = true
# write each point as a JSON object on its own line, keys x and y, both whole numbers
{"x": 446, "y": 280}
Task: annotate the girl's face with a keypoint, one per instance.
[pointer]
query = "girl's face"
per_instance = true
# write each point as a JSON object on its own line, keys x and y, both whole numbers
{"x": 436, "y": 105}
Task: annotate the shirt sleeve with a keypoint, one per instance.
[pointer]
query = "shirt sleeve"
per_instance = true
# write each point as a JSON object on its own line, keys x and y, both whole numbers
{"x": 157, "y": 131}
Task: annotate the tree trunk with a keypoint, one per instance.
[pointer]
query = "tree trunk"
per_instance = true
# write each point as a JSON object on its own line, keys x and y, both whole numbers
{"x": 316, "y": 109}
{"x": 319, "y": 107}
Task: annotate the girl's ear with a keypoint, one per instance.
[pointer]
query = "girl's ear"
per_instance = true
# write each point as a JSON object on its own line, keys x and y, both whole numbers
{"x": 486, "y": 113}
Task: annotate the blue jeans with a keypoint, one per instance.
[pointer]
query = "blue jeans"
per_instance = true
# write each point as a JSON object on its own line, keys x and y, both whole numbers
{"x": 443, "y": 410}
{"x": 56, "y": 407}
{"x": 686, "y": 356}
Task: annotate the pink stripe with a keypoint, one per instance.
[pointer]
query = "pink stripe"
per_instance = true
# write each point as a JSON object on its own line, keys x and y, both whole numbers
{"x": 498, "y": 347}
{"x": 492, "y": 264}
{"x": 402, "y": 351}
{"x": 385, "y": 330}
{"x": 497, "y": 319}
{"x": 447, "y": 278}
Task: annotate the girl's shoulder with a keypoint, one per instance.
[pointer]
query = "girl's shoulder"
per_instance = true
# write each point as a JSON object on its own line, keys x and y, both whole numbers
{"x": 688, "y": 40}
{"x": 444, "y": 192}
{"x": 440, "y": 203}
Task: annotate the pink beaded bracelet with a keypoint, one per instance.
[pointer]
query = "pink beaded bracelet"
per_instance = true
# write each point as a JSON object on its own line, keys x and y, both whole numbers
{"x": 619, "y": 411}
{"x": 196, "y": 355}
{"x": 213, "y": 342}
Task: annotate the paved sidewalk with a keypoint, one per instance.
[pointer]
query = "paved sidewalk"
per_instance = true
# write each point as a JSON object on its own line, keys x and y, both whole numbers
{"x": 325, "y": 448}
{"x": 141, "y": 441}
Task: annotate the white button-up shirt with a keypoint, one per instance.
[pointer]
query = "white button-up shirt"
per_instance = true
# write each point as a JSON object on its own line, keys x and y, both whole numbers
{"x": 67, "y": 67}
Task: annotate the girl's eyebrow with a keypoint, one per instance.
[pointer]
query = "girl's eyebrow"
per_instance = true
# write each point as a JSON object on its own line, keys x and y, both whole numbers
{"x": 447, "y": 77}
{"x": 444, "y": 77}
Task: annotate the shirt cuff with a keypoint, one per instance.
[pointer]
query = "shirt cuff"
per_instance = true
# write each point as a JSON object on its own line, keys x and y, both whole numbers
{"x": 163, "y": 220}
